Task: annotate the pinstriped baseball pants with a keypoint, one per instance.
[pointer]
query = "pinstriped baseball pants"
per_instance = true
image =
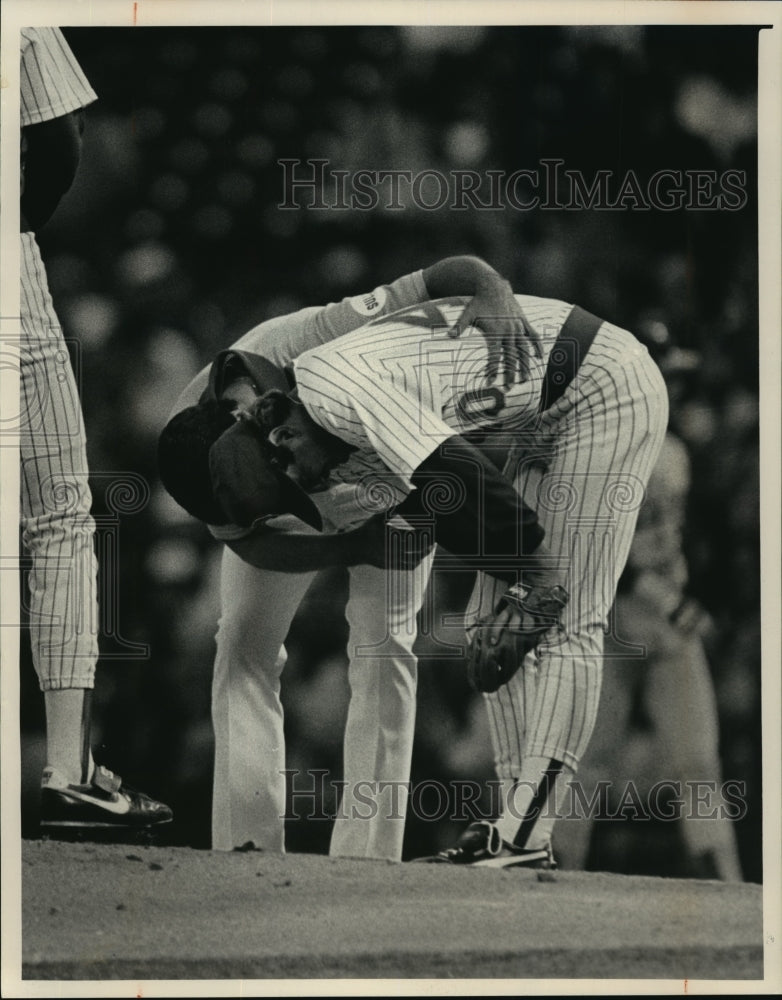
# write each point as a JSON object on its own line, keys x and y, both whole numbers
{"x": 57, "y": 527}
{"x": 584, "y": 469}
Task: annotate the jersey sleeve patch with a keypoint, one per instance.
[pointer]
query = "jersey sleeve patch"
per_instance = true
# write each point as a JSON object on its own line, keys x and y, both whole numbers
{"x": 370, "y": 304}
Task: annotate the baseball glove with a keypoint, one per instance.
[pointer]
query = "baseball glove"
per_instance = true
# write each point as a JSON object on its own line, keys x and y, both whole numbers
{"x": 501, "y": 642}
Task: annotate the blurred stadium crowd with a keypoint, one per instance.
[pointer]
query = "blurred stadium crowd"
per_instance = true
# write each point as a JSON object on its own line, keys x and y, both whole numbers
{"x": 171, "y": 244}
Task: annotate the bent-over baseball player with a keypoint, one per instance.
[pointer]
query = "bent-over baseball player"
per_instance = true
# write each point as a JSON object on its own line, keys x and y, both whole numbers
{"x": 259, "y": 597}
{"x": 583, "y": 432}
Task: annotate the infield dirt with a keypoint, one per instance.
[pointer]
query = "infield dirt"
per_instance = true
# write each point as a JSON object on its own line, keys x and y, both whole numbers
{"x": 110, "y": 912}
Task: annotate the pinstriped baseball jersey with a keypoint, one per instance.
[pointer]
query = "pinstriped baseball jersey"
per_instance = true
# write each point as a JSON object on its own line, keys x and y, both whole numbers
{"x": 399, "y": 387}
{"x": 51, "y": 81}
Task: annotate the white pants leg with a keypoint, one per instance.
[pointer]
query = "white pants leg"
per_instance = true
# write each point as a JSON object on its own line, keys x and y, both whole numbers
{"x": 379, "y": 732}
{"x": 248, "y": 802}
{"x": 58, "y": 529}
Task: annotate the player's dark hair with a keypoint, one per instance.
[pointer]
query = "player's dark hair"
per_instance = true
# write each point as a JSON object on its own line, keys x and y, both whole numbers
{"x": 183, "y": 456}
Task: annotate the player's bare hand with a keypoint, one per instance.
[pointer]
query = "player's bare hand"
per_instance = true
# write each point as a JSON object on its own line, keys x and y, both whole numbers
{"x": 388, "y": 544}
{"x": 511, "y": 340}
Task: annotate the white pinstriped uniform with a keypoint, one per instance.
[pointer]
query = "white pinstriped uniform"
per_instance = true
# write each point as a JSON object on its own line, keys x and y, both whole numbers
{"x": 257, "y": 608}
{"x": 57, "y": 525}
{"x": 394, "y": 388}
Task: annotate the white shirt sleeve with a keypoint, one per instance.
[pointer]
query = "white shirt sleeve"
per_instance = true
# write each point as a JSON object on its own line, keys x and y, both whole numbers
{"x": 284, "y": 338}
{"x": 51, "y": 82}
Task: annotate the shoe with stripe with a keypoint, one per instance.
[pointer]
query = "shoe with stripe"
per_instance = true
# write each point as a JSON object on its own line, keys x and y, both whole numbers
{"x": 103, "y": 802}
{"x": 481, "y": 846}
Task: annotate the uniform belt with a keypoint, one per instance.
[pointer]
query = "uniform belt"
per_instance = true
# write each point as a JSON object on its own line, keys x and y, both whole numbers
{"x": 568, "y": 351}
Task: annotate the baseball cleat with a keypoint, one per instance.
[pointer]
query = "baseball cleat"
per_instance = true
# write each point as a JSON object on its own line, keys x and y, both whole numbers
{"x": 541, "y": 859}
{"x": 103, "y": 802}
{"x": 481, "y": 846}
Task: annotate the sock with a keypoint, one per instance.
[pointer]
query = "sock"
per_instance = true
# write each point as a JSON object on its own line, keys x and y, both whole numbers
{"x": 68, "y": 749}
{"x": 532, "y": 802}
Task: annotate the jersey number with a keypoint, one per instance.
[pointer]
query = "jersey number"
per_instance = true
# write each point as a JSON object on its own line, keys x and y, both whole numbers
{"x": 476, "y": 404}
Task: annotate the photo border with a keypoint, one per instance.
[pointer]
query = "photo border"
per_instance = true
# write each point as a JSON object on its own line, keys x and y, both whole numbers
{"x": 16, "y": 13}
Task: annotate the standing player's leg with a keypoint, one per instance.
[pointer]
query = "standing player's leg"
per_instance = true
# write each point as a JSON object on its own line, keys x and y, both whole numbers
{"x": 58, "y": 530}
{"x": 379, "y": 731}
{"x": 57, "y": 526}
{"x": 248, "y": 799}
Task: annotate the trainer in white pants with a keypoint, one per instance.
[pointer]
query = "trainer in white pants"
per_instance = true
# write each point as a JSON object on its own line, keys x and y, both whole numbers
{"x": 249, "y": 780}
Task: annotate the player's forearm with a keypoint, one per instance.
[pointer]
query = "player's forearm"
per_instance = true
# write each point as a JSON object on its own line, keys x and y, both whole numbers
{"x": 462, "y": 275}
{"x": 491, "y": 528}
{"x": 294, "y": 552}
{"x": 541, "y": 569}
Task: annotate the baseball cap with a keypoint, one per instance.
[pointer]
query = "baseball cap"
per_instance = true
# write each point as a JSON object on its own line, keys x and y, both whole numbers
{"x": 231, "y": 363}
{"x": 247, "y": 483}
{"x": 221, "y": 469}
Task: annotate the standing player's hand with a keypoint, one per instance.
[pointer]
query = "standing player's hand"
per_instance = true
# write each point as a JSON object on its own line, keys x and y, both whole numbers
{"x": 510, "y": 339}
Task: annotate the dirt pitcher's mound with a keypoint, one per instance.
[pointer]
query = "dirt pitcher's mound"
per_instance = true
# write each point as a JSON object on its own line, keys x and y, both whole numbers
{"x": 125, "y": 912}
